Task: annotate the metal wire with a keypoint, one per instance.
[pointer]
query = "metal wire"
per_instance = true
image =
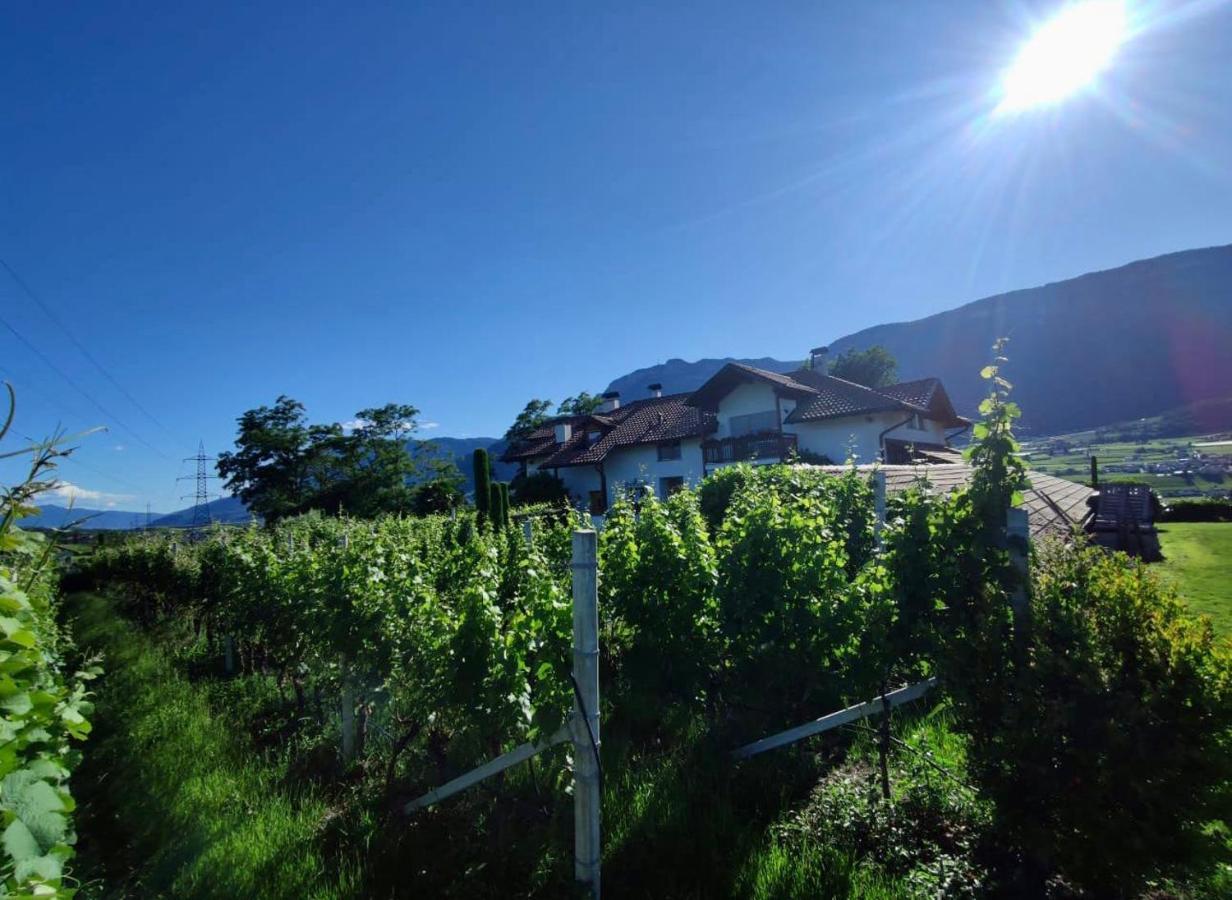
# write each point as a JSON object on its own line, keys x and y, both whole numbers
{"x": 577, "y": 692}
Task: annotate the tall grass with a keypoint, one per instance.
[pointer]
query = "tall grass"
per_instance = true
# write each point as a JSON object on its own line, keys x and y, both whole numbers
{"x": 174, "y": 800}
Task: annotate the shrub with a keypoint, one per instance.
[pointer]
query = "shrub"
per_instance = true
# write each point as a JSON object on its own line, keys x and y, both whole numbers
{"x": 539, "y": 487}
{"x": 437, "y": 496}
{"x": 790, "y": 614}
{"x": 1197, "y": 511}
{"x": 717, "y": 489}
{"x": 659, "y": 581}
{"x": 1114, "y": 746}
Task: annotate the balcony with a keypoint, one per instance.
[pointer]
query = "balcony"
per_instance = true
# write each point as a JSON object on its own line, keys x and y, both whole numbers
{"x": 748, "y": 448}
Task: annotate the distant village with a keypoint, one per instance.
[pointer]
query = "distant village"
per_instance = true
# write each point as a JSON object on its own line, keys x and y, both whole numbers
{"x": 1192, "y": 467}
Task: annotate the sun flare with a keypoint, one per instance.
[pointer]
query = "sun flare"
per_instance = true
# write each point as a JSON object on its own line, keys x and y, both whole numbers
{"x": 1065, "y": 55}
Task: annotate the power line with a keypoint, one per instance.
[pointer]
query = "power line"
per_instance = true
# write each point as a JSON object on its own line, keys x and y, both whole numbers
{"x": 102, "y": 409}
{"x": 85, "y": 351}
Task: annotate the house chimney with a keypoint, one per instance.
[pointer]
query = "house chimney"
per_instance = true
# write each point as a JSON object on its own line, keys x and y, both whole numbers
{"x": 611, "y": 401}
{"x": 564, "y": 431}
{"x": 656, "y": 389}
{"x": 817, "y": 356}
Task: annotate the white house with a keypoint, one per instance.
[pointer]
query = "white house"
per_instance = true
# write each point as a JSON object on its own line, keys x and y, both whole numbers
{"x": 740, "y": 414}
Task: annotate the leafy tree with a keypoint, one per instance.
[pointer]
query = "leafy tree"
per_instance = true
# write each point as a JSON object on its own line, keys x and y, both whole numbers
{"x": 532, "y": 416}
{"x": 283, "y": 465}
{"x": 368, "y": 471}
{"x": 874, "y": 367}
{"x": 271, "y": 469}
{"x": 581, "y": 405}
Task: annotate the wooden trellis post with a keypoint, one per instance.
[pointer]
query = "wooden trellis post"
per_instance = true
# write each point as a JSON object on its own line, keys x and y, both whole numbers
{"x": 587, "y": 794}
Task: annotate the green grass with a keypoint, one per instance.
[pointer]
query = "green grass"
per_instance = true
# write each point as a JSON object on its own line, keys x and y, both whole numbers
{"x": 1198, "y": 560}
{"x": 175, "y": 802}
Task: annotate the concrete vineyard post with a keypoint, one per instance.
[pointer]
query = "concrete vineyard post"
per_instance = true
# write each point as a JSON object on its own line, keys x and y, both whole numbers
{"x": 586, "y": 786}
{"x": 348, "y": 712}
{"x": 528, "y": 531}
{"x": 348, "y": 694}
{"x": 879, "y": 505}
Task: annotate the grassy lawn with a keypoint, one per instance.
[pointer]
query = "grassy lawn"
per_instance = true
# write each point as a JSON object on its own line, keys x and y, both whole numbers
{"x": 1198, "y": 558}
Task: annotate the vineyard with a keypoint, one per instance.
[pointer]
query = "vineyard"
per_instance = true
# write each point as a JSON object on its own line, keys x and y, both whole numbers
{"x": 278, "y": 698}
{"x": 405, "y": 652}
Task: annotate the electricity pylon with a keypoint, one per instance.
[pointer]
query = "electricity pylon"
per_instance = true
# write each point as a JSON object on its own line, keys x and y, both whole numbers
{"x": 201, "y": 509}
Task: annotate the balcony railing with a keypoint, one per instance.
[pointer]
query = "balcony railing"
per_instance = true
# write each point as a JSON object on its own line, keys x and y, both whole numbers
{"x": 749, "y": 447}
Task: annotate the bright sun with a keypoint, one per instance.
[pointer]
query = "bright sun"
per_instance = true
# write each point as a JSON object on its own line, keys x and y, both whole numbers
{"x": 1065, "y": 55}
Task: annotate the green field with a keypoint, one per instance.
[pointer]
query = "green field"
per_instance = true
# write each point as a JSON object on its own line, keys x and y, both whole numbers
{"x": 1198, "y": 559}
{"x": 1069, "y": 456}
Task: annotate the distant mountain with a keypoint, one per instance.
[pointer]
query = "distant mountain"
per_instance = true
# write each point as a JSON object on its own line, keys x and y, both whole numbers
{"x": 678, "y": 375}
{"x": 461, "y": 450}
{"x": 1122, "y": 344}
{"x": 225, "y": 510}
{"x": 53, "y": 516}
{"x": 1126, "y": 343}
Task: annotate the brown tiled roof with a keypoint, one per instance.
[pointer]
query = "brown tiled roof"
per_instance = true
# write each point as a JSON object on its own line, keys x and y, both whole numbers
{"x": 917, "y": 393}
{"x": 833, "y": 397}
{"x": 649, "y": 421}
{"x": 1055, "y": 506}
{"x": 825, "y": 396}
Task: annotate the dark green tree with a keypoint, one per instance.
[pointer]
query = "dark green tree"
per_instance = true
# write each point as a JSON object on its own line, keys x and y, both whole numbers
{"x": 271, "y": 467}
{"x": 875, "y": 367}
{"x": 440, "y": 495}
{"x": 283, "y": 466}
{"x": 581, "y": 405}
{"x": 505, "y": 507}
{"x": 496, "y": 509}
{"x": 483, "y": 482}
{"x": 532, "y": 416}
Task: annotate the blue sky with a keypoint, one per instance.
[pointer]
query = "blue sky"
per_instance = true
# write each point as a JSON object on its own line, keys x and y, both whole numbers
{"x": 462, "y": 206}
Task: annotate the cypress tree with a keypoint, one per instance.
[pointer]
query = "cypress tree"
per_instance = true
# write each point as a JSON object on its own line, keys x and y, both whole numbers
{"x": 505, "y": 504}
{"x": 483, "y": 484}
{"x": 495, "y": 505}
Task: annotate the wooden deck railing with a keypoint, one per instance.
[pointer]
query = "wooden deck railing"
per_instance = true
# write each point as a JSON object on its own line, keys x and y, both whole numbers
{"x": 749, "y": 447}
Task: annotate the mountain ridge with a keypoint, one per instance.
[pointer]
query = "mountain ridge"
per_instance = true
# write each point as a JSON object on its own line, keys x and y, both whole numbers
{"x": 1128, "y": 342}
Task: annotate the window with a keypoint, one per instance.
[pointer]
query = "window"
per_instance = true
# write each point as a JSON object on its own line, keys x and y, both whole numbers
{"x": 593, "y": 437}
{"x": 669, "y": 486}
{"x": 754, "y": 423}
{"x": 598, "y": 503}
{"x": 669, "y": 450}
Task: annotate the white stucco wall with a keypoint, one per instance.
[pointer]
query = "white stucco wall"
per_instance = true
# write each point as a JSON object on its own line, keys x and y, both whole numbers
{"x": 933, "y": 432}
{"x": 580, "y": 481}
{"x": 836, "y": 438}
{"x": 743, "y": 400}
{"x": 630, "y": 464}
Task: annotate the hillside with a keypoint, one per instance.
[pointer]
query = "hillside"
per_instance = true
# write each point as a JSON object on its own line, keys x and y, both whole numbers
{"x": 1127, "y": 343}
{"x": 225, "y": 510}
{"x": 461, "y": 451}
{"x": 51, "y": 515}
